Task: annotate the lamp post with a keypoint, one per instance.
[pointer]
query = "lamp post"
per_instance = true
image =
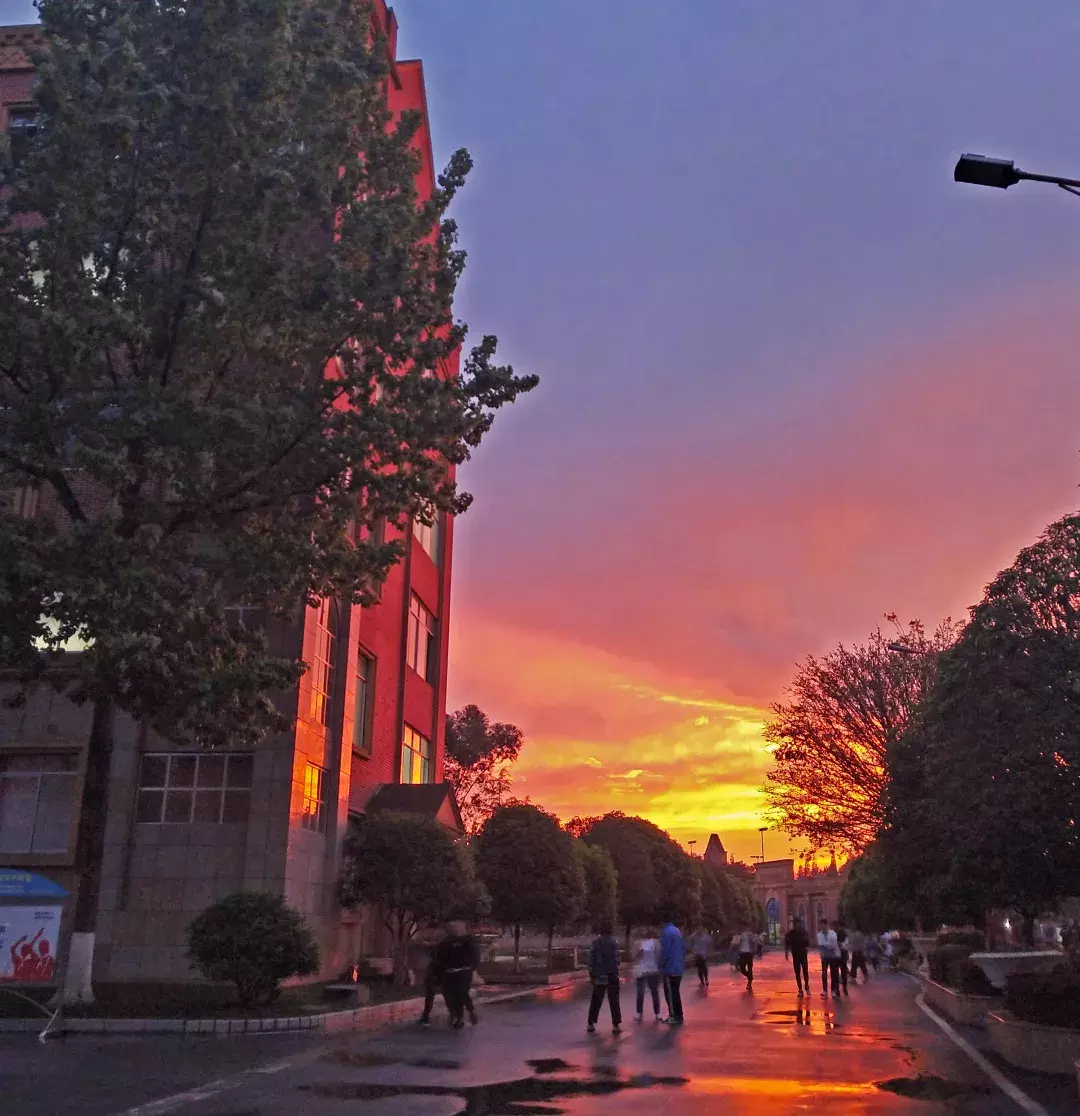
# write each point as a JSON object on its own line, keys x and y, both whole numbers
{"x": 762, "y": 832}
{"x": 980, "y": 170}
{"x": 691, "y": 844}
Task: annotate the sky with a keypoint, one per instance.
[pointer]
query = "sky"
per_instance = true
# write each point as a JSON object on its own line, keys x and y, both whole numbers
{"x": 793, "y": 377}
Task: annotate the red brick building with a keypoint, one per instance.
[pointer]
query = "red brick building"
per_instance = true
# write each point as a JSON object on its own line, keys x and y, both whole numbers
{"x": 186, "y": 828}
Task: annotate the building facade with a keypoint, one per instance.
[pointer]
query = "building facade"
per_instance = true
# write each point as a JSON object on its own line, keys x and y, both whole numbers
{"x": 184, "y": 827}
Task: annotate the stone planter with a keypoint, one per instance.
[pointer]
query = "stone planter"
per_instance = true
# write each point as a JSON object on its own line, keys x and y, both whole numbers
{"x": 960, "y": 1007}
{"x": 1000, "y": 966}
{"x": 1033, "y": 1046}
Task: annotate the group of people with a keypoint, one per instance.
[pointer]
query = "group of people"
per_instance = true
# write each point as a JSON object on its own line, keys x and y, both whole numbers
{"x": 843, "y": 956}
{"x": 451, "y": 969}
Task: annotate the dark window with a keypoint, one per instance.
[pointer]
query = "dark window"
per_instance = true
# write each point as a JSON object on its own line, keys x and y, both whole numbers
{"x": 179, "y": 787}
{"x": 23, "y": 125}
{"x": 37, "y": 802}
{"x": 421, "y": 645}
{"x": 364, "y": 711}
{"x": 322, "y": 664}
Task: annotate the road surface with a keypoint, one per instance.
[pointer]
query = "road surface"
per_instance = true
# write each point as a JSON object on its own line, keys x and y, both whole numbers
{"x": 765, "y": 1054}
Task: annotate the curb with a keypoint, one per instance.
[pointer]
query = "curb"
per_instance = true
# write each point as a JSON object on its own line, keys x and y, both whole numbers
{"x": 356, "y": 1019}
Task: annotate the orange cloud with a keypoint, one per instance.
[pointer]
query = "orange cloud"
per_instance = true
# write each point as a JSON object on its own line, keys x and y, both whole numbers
{"x": 638, "y": 645}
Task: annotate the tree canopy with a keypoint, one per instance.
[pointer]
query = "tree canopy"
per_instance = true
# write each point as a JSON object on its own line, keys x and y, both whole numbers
{"x": 987, "y": 773}
{"x": 599, "y": 905}
{"x": 224, "y": 350}
{"x": 526, "y": 861}
{"x": 479, "y": 753}
{"x": 413, "y": 870}
{"x": 831, "y": 739}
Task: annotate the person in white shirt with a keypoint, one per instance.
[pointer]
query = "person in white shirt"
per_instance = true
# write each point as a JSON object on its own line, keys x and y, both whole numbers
{"x": 829, "y": 951}
{"x": 647, "y": 972}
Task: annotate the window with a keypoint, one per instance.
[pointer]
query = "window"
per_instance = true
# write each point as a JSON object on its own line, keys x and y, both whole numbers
{"x": 37, "y": 802}
{"x": 421, "y": 646}
{"x": 322, "y": 665}
{"x": 23, "y": 124}
{"x": 365, "y": 693}
{"x": 21, "y": 502}
{"x": 416, "y": 766}
{"x": 182, "y": 787}
{"x": 314, "y": 809}
{"x": 429, "y": 536}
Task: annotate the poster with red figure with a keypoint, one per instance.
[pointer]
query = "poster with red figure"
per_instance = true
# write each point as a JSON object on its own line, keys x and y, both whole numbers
{"x": 28, "y": 937}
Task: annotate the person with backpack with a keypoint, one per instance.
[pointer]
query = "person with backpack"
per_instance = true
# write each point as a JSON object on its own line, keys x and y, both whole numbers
{"x": 604, "y": 973}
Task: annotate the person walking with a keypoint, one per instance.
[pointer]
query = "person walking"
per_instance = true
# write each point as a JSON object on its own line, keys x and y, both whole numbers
{"x": 733, "y": 953}
{"x": 672, "y": 967}
{"x": 858, "y": 956}
{"x": 456, "y": 959}
{"x": 604, "y": 973}
{"x": 432, "y": 984}
{"x": 702, "y": 946}
{"x": 797, "y": 947}
{"x": 747, "y": 948}
{"x": 829, "y": 951}
{"x": 647, "y": 973}
{"x": 845, "y": 953}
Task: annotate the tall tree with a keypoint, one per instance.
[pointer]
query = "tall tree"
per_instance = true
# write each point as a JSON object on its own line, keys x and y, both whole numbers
{"x": 830, "y": 740}
{"x": 714, "y": 912}
{"x": 526, "y": 861}
{"x": 225, "y": 353}
{"x": 990, "y": 768}
{"x": 411, "y": 869}
{"x": 599, "y": 904}
{"x": 479, "y": 754}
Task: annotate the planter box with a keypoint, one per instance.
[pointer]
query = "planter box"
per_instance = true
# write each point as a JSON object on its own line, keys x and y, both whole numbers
{"x": 1000, "y": 966}
{"x": 1032, "y": 1046}
{"x": 960, "y": 1007}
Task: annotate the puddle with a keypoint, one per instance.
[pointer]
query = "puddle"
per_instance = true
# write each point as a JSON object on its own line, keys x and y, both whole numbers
{"x": 530, "y": 1096}
{"x": 931, "y": 1088}
{"x": 548, "y": 1065}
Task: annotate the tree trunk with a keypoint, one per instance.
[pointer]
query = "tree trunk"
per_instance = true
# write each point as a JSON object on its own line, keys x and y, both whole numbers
{"x": 517, "y": 945}
{"x": 89, "y": 848}
{"x": 401, "y": 958}
{"x": 1027, "y": 930}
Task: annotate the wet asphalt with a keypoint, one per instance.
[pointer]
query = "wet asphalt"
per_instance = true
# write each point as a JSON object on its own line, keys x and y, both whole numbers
{"x": 765, "y": 1054}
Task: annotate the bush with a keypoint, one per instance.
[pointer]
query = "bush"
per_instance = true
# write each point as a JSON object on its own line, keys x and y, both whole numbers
{"x": 903, "y": 948}
{"x": 975, "y": 940}
{"x": 1052, "y": 999}
{"x": 965, "y": 976}
{"x": 255, "y": 940}
{"x": 939, "y": 960}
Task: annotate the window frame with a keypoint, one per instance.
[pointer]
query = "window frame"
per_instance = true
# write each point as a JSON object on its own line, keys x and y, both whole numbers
{"x": 314, "y": 820}
{"x": 226, "y": 790}
{"x": 421, "y": 618}
{"x": 429, "y": 536}
{"x": 74, "y": 777}
{"x": 424, "y": 753}
{"x": 28, "y": 131}
{"x": 324, "y": 648}
{"x": 364, "y": 719}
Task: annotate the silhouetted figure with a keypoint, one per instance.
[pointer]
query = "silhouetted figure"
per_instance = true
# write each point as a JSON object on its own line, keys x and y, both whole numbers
{"x": 604, "y": 973}
{"x": 797, "y": 947}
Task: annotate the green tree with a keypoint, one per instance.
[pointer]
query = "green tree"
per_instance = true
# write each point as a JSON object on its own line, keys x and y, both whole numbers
{"x": 255, "y": 940}
{"x": 714, "y": 912}
{"x": 526, "y": 861}
{"x": 479, "y": 754}
{"x": 601, "y": 885}
{"x": 226, "y": 358}
{"x": 871, "y": 898}
{"x": 411, "y": 868}
{"x": 831, "y": 739}
{"x": 988, "y": 771}
{"x": 737, "y": 898}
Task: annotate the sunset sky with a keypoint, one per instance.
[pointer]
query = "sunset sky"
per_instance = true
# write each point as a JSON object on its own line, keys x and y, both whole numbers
{"x": 793, "y": 377}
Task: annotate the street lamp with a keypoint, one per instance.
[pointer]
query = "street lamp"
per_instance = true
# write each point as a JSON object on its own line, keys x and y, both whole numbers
{"x": 762, "y": 832}
{"x": 691, "y": 844}
{"x": 903, "y": 649}
{"x": 979, "y": 170}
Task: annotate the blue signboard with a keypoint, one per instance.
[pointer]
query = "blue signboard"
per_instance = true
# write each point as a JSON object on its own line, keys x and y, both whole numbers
{"x": 17, "y": 884}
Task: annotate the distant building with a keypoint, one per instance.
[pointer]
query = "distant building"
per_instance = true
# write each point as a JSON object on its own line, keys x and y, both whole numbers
{"x": 187, "y": 827}
{"x": 812, "y": 895}
{"x": 715, "y": 853}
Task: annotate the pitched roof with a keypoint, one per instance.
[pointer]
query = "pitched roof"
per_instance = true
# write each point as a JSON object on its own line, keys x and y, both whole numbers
{"x": 416, "y": 798}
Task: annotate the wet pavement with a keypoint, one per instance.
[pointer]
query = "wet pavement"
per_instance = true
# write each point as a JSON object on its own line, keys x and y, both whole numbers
{"x": 765, "y": 1054}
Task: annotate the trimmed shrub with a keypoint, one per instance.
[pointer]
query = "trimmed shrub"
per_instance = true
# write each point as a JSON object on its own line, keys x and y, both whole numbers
{"x": 255, "y": 940}
{"x": 939, "y": 960}
{"x": 964, "y": 975}
{"x": 975, "y": 940}
{"x": 1051, "y": 999}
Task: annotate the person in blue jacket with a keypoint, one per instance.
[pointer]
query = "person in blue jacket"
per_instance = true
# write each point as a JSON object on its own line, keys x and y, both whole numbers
{"x": 672, "y": 966}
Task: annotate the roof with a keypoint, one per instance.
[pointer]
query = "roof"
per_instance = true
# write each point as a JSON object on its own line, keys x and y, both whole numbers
{"x": 431, "y": 799}
{"x": 714, "y": 840}
{"x": 17, "y": 44}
